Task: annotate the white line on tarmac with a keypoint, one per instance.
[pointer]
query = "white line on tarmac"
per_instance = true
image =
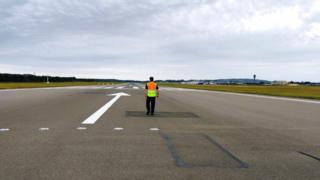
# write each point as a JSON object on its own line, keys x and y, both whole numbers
{"x": 135, "y": 87}
{"x": 154, "y": 129}
{"x": 43, "y": 129}
{"x": 81, "y": 128}
{"x": 95, "y": 116}
{"x": 118, "y": 129}
{"x": 247, "y": 95}
{"x": 121, "y": 87}
{"x": 50, "y": 88}
{"x": 4, "y": 129}
{"x": 269, "y": 97}
{"x": 108, "y": 87}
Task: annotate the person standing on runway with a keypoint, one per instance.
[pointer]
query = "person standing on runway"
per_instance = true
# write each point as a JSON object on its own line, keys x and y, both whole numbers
{"x": 151, "y": 93}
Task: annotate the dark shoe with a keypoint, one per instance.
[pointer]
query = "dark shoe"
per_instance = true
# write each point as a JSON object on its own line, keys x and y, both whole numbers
{"x": 147, "y": 113}
{"x": 152, "y": 114}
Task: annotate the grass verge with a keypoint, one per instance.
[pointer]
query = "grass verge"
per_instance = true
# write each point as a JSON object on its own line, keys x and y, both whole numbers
{"x": 53, "y": 84}
{"x": 308, "y": 92}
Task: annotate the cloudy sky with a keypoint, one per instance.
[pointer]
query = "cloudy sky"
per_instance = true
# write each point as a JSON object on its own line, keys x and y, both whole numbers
{"x": 176, "y": 39}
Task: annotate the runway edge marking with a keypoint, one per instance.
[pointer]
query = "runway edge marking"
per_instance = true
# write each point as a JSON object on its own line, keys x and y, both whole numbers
{"x": 246, "y": 95}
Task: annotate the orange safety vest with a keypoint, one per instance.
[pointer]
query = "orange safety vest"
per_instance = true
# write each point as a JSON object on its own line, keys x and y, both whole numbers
{"x": 152, "y": 89}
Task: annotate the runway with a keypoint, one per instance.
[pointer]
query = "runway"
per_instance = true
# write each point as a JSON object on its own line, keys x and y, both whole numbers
{"x": 193, "y": 135}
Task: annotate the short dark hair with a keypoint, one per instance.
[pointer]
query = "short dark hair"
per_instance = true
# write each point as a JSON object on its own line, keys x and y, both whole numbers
{"x": 151, "y": 78}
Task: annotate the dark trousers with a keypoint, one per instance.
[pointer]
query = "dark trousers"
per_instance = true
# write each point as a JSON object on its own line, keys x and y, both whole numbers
{"x": 150, "y": 103}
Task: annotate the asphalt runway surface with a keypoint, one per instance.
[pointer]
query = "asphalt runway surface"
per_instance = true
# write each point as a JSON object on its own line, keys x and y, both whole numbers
{"x": 193, "y": 135}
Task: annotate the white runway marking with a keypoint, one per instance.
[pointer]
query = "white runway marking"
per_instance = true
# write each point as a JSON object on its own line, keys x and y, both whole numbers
{"x": 270, "y": 97}
{"x": 135, "y": 87}
{"x": 4, "y": 129}
{"x": 43, "y": 129}
{"x": 50, "y": 88}
{"x": 95, "y": 116}
{"x": 121, "y": 87}
{"x": 108, "y": 87}
{"x": 81, "y": 128}
{"x": 154, "y": 129}
{"x": 247, "y": 95}
{"x": 118, "y": 129}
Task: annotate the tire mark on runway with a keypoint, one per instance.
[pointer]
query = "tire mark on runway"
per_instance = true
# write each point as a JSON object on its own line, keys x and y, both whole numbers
{"x": 309, "y": 155}
{"x": 174, "y": 154}
{"x": 228, "y": 153}
{"x": 179, "y": 162}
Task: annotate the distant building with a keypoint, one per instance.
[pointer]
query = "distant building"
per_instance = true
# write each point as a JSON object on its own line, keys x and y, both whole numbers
{"x": 293, "y": 84}
{"x": 279, "y": 82}
{"x": 228, "y": 82}
{"x": 192, "y": 82}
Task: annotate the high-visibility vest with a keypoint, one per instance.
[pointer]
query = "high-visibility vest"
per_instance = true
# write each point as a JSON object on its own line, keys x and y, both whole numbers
{"x": 152, "y": 89}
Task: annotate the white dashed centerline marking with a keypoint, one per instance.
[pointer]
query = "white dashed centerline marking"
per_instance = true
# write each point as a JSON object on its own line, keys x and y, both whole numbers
{"x": 154, "y": 129}
{"x": 135, "y": 87}
{"x": 80, "y": 128}
{"x": 4, "y": 129}
{"x": 43, "y": 129}
{"x": 118, "y": 129}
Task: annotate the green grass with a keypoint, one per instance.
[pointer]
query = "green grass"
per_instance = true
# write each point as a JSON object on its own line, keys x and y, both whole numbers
{"x": 43, "y": 85}
{"x": 308, "y": 92}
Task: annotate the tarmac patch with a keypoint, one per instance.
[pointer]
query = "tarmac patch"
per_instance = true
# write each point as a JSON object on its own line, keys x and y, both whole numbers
{"x": 162, "y": 114}
{"x": 199, "y": 150}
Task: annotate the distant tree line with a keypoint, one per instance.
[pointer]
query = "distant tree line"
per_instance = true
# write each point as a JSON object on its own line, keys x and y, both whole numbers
{"x": 4, "y": 77}
{"x": 306, "y": 83}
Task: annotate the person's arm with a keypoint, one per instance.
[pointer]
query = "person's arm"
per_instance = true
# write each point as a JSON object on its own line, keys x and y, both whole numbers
{"x": 146, "y": 91}
{"x": 158, "y": 94}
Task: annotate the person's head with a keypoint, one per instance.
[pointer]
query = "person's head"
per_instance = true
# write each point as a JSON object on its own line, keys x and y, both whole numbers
{"x": 151, "y": 78}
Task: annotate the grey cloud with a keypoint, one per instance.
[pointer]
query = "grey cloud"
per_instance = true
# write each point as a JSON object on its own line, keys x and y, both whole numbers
{"x": 189, "y": 35}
